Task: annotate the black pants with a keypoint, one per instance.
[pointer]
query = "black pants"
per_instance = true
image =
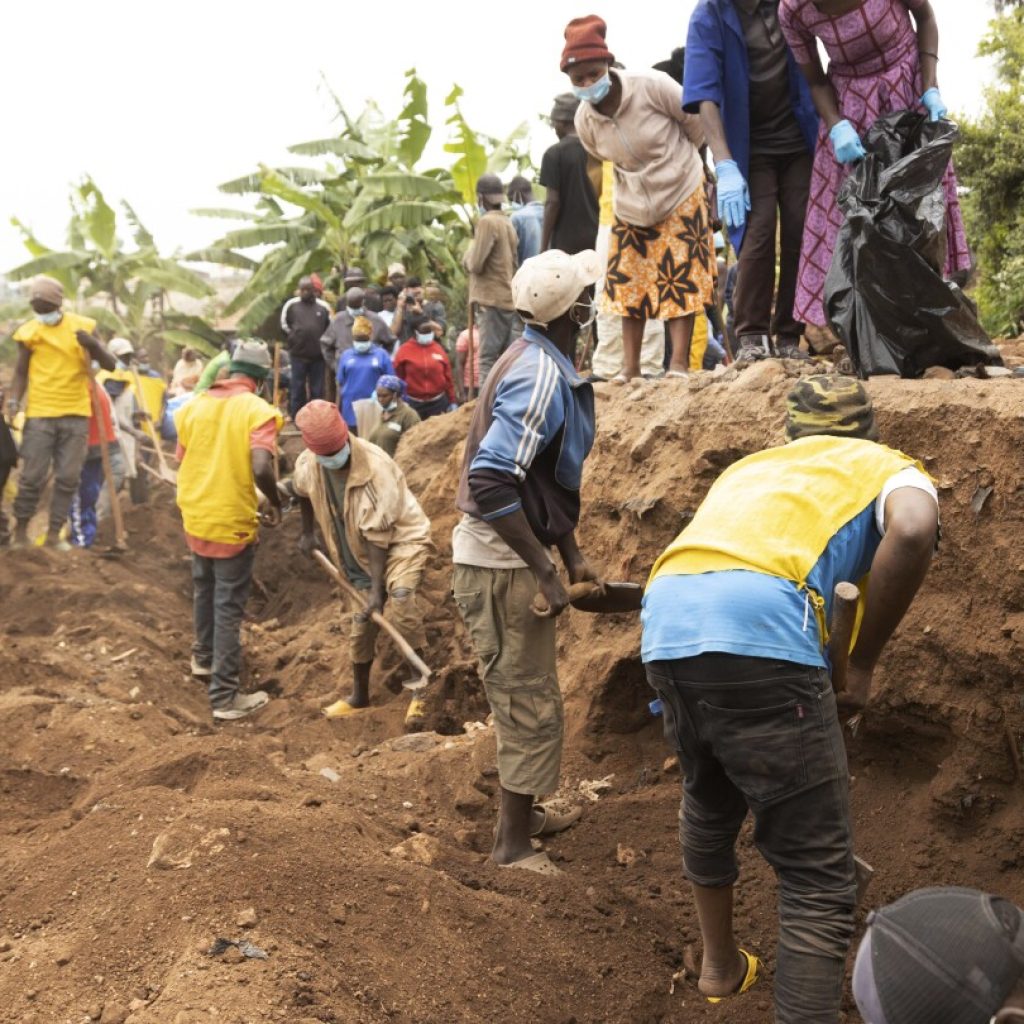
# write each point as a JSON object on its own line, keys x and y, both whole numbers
{"x": 8, "y": 460}
{"x": 430, "y": 406}
{"x": 779, "y": 189}
{"x": 764, "y": 736}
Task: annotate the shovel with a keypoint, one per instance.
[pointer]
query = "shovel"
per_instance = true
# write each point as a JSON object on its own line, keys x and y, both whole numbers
{"x": 415, "y": 685}
{"x": 168, "y": 475}
{"x": 606, "y": 598}
{"x": 844, "y": 616}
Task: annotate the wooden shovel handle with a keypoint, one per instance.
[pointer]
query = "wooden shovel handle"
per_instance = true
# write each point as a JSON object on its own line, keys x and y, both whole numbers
{"x": 403, "y": 645}
{"x": 844, "y": 616}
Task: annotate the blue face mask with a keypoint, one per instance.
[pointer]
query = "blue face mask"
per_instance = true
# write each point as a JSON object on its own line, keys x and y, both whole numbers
{"x": 354, "y": 312}
{"x": 515, "y": 206}
{"x": 121, "y": 365}
{"x": 596, "y": 92}
{"x": 390, "y": 407}
{"x": 50, "y": 319}
{"x": 362, "y": 346}
{"x": 337, "y": 461}
{"x": 424, "y": 339}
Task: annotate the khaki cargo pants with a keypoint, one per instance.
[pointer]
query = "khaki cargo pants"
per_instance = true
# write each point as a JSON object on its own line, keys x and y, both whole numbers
{"x": 403, "y": 612}
{"x": 517, "y": 665}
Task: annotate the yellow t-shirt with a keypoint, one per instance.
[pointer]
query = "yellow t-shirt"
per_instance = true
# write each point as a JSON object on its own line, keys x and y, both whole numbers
{"x": 58, "y": 372}
{"x": 150, "y": 401}
{"x": 216, "y": 486}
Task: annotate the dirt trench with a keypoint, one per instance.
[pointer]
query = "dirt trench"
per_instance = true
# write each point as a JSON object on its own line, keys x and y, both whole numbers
{"x": 133, "y": 833}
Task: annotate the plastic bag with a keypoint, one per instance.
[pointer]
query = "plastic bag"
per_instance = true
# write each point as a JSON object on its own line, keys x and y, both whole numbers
{"x": 884, "y": 294}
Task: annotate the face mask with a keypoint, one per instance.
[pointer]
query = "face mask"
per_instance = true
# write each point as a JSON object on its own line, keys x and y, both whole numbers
{"x": 596, "y": 92}
{"x": 591, "y": 312}
{"x": 481, "y": 209}
{"x": 144, "y": 367}
{"x": 121, "y": 365}
{"x": 50, "y": 319}
{"x": 390, "y": 407}
{"x": 515, "y": 205}
{"x": 336, "y": 461}
{"x": 354, "y": 312}
{"x": 424, "y": 339}
{"x": 362, "y": 346}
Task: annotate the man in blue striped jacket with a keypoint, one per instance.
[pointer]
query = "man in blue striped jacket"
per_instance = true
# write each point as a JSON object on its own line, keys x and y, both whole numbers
{"x": 520, "y": 494}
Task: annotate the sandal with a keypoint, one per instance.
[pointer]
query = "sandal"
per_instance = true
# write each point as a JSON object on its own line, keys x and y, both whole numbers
{"x": 539, "y": 863}
{"x": 619, "y": 379}
{"x": 669, "y": 374}
{"x": 549, "y": 823}
{"x": 749, "y": 979}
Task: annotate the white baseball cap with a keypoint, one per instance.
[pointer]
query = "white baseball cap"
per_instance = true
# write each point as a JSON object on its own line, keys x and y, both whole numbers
{"x": 546, "y": 286}
{"x": 120, "y": 347}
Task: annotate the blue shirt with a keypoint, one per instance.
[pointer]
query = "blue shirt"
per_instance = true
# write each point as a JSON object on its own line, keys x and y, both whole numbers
{"x": 750, "y": 613}
{"x": 715, "y": 44}
{"x": 528, "y": 221}
{"x": 358, "y": 373}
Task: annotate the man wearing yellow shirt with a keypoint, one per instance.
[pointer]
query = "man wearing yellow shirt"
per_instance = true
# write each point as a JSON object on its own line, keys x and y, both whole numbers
{"x": 735, "y": 642}
{"x": 227, "y": 440}
{"x": 55, "y": 352}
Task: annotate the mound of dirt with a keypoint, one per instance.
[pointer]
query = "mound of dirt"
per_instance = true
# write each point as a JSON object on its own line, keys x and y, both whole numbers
{"x": 133, "y": 833}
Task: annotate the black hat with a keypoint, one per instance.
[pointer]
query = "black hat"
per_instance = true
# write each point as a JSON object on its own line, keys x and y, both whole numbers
{"x": 951, "y": 955}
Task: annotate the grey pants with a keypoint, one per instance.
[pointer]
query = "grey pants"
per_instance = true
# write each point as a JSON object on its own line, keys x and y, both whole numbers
{"x": 220, "y": 589}
{"x": 62, "y": 440}
{"x": 763, "y": 737}
{"x": 498, "y": 329}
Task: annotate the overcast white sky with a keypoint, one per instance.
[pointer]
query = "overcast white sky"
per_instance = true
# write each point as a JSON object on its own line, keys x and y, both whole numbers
{"x": 161, "y": 104}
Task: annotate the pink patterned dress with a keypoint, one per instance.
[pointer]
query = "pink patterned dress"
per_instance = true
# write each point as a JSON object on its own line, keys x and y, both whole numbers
{"x": 873, "y": 67}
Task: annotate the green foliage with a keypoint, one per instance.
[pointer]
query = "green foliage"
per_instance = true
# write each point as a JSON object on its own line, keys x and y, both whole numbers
{"x": 367, "y": 202}
{"x": 991, "y": 165}
{"x": 132, "y": 289}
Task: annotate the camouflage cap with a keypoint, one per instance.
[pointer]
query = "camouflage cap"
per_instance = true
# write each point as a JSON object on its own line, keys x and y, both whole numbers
{"x": 826, "y": 404}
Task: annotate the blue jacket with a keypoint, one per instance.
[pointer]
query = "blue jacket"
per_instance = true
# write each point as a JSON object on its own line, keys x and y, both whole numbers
{"x": 532, "y": 429}
{"x": 715, "y": 43}
{"x": 358, "y": 373}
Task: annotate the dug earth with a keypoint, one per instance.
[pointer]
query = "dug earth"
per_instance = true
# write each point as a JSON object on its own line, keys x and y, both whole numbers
{"x": 342, "y": 864}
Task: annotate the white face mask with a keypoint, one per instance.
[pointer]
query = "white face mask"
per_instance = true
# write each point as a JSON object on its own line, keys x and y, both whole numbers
{"x": 354, "y": 312}
{"x": 336, "y": 461}
{"x": 424, "y": 339}
{"x": 362, "y": 346}
{"x": 50, "y": 319}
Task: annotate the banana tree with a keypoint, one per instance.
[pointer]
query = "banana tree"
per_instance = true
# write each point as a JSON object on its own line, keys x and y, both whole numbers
{"x": 128, "y": 292}
{"x": 369, "y": 203}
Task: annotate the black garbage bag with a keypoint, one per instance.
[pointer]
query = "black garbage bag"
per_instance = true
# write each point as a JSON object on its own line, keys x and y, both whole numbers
{"x": 884, "y": 294}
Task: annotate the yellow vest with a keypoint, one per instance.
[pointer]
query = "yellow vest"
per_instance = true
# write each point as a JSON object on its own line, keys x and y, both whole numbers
{"x": 150, "y": 401}
{"x": 776, "y": 511}
{"x": 58, "y": 372}
{"x": 216, "y": 486}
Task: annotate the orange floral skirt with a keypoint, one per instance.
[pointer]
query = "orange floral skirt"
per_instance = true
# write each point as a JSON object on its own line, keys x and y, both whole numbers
{"x": 667, "y": 270}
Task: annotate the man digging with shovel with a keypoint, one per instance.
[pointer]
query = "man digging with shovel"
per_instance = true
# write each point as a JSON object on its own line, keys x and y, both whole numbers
{"x": 376, "y": 535}
{"x": 520, "y": 491}
{"x": 734, "y": 640}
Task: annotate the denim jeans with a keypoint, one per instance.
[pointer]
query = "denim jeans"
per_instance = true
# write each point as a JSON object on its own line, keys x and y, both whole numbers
{"x": 304, "y": 371}
{"x": 62, "y": 440}
{"x": 220, "y": 589}
{"x": 764, "y": 736}
{"x": 498, "y": 329}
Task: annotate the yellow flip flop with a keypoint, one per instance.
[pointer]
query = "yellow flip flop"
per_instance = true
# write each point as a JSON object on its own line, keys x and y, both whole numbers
{"x": 749, "y": 979}
{"x": 340, "y": 709}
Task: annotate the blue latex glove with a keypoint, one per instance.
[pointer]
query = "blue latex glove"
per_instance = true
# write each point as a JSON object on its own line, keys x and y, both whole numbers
{"x": 846, "y": 143}
{"x": 733, "y": 194}
{"x": 453, "y": 407}
{"x": 932, "y": 102}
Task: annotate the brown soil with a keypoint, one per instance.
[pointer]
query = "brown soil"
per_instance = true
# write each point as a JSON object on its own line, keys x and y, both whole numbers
{"x": 133, "y": 833}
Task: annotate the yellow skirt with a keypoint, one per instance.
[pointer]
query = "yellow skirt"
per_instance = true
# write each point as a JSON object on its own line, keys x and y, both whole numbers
{"x": 665, "y": 271}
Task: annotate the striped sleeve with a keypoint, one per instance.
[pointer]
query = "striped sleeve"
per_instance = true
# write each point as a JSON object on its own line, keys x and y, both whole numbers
{"x": 529, "y": 410}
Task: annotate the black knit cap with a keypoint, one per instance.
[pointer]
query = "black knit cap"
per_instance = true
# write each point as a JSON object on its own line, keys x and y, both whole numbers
{"x": 951, "y": 955}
